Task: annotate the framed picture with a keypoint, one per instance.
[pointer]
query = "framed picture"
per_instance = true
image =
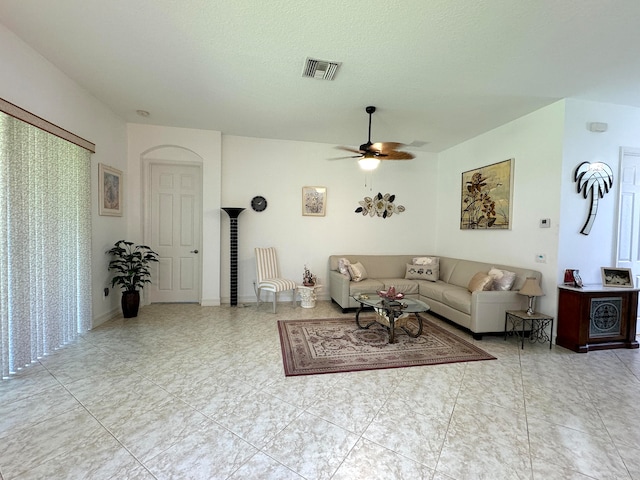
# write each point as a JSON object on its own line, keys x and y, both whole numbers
{"x": 486, "y": 197}
{"x": 314, "y": 201}
{"x": 110, "y": 190}
{"x": 616, "y": 277}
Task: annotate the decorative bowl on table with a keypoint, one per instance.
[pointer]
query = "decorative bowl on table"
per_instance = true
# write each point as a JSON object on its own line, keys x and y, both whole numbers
{"x": 391, "y": 295}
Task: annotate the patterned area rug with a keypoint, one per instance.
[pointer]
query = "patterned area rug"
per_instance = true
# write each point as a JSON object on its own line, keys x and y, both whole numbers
{"x": 338, "y": 345}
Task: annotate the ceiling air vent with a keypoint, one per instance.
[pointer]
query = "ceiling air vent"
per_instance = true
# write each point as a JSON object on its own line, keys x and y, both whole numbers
{"x": 320, "y": 69}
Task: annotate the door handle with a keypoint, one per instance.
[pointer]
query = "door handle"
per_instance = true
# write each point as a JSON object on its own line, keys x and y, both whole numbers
{"x": 194, "y": 251}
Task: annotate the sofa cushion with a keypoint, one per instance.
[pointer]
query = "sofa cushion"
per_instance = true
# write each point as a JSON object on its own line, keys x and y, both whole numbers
{"x": 433, "y": 290}
{"x": 458, "y": 298}
{"x": 358, "y": 272}
{"x": 402, "y": 285}
{"x": 429, "y": 271}
{"x": 502, "y": 279}
{"x": 343, "y": 267}
{"x": 425, "y": 260}
{"x": 369, "y": 285}
{"x": 480, "y": 281}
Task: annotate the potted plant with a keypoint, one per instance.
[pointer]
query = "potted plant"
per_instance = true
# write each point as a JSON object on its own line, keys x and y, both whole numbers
{"x": 131, "y": 266}
{"x": 308, "y": 278}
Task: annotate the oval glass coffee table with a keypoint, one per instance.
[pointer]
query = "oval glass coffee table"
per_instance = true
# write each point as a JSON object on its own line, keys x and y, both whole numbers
{"x": 391, "y": 314}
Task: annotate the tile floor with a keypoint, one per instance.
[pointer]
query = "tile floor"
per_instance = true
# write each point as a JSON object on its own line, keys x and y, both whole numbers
{"x": 185, "y": 392}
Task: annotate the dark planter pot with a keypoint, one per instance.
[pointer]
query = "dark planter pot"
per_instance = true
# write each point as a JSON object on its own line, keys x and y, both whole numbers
{"x": 130, "y": 304}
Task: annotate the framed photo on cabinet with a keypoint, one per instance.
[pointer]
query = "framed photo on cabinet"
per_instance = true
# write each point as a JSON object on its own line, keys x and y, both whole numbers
{"x": 616, "y": 277}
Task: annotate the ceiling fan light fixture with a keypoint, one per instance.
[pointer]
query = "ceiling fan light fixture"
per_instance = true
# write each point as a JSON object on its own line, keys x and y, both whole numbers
{"x": 369, "y": 163}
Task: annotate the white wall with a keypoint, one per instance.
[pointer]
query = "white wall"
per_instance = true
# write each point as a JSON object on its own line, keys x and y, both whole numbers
{"x": 535, "y": 142}
{"x": 34, "y": 84}
{"x": 588, "y": 253}
{"x": 279, "y": 169}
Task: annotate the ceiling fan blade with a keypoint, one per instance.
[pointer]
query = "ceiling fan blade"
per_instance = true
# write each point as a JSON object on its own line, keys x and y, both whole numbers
{"x": 349, "y": 149}
{"x": 386, "y": 147}
{"x": 342, "y": 158}
{"x": 398, "y": 155}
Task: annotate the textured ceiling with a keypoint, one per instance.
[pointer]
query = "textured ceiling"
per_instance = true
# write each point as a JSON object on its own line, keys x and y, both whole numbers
{"x": 439, "y": 71}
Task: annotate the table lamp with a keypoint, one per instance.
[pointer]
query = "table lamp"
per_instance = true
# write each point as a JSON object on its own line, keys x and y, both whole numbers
{"x": 531, "y": 289}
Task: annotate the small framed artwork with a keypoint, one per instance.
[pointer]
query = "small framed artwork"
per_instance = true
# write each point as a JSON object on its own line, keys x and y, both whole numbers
{"x": 314, "y": 201}
{"x": 110, "y": 189}
{"x": 616, "y": 277}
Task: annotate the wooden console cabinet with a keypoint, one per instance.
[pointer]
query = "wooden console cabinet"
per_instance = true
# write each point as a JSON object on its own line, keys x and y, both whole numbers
{"x": 597, "y": 318}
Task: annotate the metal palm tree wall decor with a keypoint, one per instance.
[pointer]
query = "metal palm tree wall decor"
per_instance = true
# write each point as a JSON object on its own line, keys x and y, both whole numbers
{"x": 595, "y": 179}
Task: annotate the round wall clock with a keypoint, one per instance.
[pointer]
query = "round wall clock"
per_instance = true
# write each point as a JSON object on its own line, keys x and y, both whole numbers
{"x": 258, "y": 203}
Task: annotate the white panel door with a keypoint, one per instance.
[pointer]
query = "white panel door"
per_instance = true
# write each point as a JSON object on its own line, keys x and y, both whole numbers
{"x": 175, "y": 232}
{"x": 628, "y": 251}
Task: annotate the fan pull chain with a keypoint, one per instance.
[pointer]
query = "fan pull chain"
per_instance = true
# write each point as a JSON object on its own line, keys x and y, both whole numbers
{"x": 370, "y": 183}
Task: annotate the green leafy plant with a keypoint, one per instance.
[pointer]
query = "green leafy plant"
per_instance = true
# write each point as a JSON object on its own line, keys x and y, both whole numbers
{"x": 131, "y": 265}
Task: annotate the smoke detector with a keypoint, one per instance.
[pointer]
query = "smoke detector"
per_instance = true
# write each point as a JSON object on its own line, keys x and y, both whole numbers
{"x": 320, "y": 69}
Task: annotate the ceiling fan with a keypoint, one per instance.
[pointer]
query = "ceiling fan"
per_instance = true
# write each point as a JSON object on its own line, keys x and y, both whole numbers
{"x": 370, "y": 154}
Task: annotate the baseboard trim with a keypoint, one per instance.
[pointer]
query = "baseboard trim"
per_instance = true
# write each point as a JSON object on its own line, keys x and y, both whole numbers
{"x": 210, "y": 302}
{"x": 105, "y": 317}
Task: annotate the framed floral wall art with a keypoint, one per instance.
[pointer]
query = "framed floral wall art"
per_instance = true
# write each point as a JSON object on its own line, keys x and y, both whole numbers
{"x": 486, "y": 197}
{"x": 314, "y": 201}
{"x": 110, "y": 189}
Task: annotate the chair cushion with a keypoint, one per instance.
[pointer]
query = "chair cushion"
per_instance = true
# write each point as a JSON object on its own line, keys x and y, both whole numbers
{"x": 277, "y": 284}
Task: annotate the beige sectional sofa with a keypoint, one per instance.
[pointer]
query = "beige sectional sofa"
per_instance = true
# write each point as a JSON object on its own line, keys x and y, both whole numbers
{"x": 448, "y": 296}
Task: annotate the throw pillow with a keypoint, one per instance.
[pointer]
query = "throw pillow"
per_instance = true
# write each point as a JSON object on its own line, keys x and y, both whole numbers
{"x": 503, "y": 280}
{"x": 343, "y": 267}
{"x": 357, "y": 271}
{"x": 480, "y": 281}
{"x": 422, "y": 272}
{"x": 426, "y": 261}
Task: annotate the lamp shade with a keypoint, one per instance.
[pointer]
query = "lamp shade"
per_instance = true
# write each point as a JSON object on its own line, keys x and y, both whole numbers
{"x": 531, "y": 288}
{"x": 368, "y": 163}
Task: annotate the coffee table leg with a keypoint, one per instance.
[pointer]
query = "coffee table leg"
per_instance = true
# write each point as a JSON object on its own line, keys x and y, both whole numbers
{"x": 392, "y": 327}
{"x": 415, "y": 335}
{"x": 358, "y": 318}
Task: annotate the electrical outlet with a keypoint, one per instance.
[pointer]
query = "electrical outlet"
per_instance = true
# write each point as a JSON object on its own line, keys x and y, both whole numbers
{"x": 541, "y": 258}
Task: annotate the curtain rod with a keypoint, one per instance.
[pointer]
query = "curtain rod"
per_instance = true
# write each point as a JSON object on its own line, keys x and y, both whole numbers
{"x": 28, "y": 117}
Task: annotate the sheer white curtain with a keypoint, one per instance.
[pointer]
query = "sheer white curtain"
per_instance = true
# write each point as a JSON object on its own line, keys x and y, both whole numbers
{"x": 45, "y": 243}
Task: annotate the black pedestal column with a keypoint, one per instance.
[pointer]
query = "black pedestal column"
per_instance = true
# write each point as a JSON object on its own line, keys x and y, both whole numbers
{"x": 233, "y": 274}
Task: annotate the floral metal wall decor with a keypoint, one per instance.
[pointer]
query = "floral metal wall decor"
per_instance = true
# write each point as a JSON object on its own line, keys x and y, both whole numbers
{"x": 486, "y": 197}
{"x": 380, "y": 205}
{"x": 595, "y": 179}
